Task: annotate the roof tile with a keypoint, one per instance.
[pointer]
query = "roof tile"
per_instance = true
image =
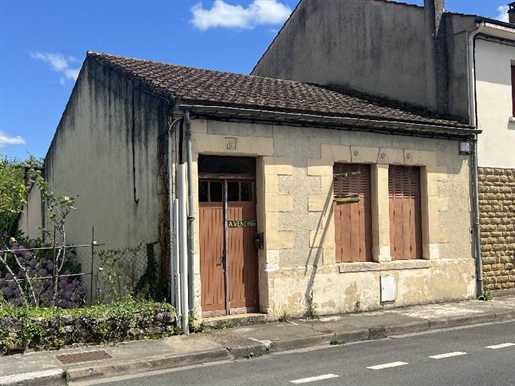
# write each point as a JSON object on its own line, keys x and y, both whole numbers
{"x": 216, "y": 88}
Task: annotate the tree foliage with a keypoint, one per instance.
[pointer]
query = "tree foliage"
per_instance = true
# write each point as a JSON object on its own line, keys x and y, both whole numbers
{"x": 13, "y": 194}
{"x": 32, "y": 273}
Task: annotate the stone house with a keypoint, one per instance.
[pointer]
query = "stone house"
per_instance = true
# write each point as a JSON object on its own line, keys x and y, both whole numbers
{"x": 449, "y": 63}
{"x": 287, "y": 197}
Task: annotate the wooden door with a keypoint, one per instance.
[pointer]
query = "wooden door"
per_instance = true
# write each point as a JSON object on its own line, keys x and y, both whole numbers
{"x": 228, "y": 268}
{"x": 211, "y": 208}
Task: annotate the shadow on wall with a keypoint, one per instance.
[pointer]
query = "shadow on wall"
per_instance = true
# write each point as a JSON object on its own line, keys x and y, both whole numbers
{"x": 316, "y": 249}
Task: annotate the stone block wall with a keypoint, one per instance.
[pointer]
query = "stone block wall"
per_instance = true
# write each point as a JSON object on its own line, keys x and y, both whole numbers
{"x": 294, "y": 174}
{"x": 52, "y": 332}
{"x": 497, "y": 220}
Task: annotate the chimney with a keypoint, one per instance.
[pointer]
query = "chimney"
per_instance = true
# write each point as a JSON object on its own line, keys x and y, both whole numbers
{"x": 436, "y": 56}
{"x": 511, "y": 13}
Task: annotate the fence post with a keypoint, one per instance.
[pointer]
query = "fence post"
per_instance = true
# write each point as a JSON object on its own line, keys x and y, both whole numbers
{"x": 93, "y": 242}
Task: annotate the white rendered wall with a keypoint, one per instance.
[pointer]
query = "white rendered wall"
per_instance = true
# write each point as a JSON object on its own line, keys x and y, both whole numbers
{"x": 494, "y": 104}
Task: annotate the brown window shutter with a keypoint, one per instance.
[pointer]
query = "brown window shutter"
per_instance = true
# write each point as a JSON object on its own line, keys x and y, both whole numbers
{"x": 405, "y": 221}
{"x": 353, "y": 222}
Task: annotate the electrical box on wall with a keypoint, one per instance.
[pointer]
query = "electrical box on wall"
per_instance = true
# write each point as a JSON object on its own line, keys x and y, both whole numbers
{"x": 388, "y": 291}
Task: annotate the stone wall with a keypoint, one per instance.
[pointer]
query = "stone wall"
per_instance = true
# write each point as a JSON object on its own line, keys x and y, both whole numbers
{"x": 497, "y": 207}
{"x": 19, "y": 333}
{"x": 298, "y": 272}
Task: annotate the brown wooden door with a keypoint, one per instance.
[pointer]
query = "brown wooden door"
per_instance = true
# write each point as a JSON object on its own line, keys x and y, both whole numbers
{"x": 228, "y": 256}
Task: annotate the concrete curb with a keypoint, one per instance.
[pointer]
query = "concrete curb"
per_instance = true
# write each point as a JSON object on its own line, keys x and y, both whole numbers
{"x": 141, "y": 366}
{"x": 461, "y": 321}
{"x": 375, "y": 333}
{"x": 409, "y": 328}
{"x": 246, "y": 347}
{"x": 38, "y": 378}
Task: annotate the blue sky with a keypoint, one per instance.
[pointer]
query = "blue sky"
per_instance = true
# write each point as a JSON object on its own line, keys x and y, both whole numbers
{"x": 43, "y": 44}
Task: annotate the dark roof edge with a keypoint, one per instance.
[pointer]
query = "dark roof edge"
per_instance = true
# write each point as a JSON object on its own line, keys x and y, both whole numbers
{"x": 353, "y": 123}
{"x": 480, "y": 19}
{"x": 143, "y": 83}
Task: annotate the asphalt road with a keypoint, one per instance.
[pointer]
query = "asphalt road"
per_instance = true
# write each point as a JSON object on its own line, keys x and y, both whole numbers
{"x": 478, "y": 355}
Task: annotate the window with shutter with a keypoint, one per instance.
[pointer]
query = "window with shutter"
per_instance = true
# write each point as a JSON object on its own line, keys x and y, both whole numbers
{"x": 353, "y": 222}
{"x": 405, "y": 212}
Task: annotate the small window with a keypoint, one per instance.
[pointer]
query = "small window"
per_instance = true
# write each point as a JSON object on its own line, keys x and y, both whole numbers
{"x": 233, "y": 191}
{"x": 246, "y": 191}
{"x": 203, "y": 191}
{"x": 215, "y": 191}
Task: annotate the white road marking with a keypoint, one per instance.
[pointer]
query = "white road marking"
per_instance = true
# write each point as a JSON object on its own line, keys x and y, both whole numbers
{"x": 448, "y": 355}
{"x": 387, "y": 365}
{"x": 314, "y": 379}
{"x": 503, "y": 345}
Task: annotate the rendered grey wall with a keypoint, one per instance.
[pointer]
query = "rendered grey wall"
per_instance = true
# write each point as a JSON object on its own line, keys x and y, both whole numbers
{"x": 109, "y": 161}
{"x": 457, "y": 46}
{"x": 370, "y": 45}
{"x": 374, "y": 46}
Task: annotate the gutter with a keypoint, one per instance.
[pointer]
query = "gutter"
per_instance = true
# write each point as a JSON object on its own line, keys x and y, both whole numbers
{"x": 348, "y": 123}
{"x": 474, "y": 160}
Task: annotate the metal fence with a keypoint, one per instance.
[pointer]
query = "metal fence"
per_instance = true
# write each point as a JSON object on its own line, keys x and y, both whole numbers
{"x": 76, "y": 275}
{"x": 126, "y": 271}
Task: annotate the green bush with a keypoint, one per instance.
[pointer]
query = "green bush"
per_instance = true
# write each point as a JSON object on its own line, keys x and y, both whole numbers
{"x": 52, "y": 328}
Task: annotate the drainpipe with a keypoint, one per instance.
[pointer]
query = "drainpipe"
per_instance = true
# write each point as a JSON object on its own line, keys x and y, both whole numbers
{"x": 476, "y": 228}
{"x": 191, "y": 213}
{"x": 173, "y": 241}
{"x": 472, "y": 73}
{"x": 183, "y": 246}
{"x": 474, "y": 167}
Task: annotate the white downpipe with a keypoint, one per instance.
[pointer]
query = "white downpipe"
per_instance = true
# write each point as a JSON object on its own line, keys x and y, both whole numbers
{"x": 171, "y": 218}
{"x": 176, "y": 258}
{"x": 191, "y": 216}
{"x": 474, "y": 161}
{"x": 472, "y": 74}
{"x": 183, "y": 243}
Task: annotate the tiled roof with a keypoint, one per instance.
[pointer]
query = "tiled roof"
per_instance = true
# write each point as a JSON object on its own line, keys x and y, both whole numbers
{"x": 189, "y": 85}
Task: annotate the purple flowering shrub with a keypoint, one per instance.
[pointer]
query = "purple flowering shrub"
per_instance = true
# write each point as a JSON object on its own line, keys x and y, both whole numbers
{"x": 27, "y": 262}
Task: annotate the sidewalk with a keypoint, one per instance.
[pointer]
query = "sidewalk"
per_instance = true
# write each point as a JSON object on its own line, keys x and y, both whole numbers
{"x": 97, "y": 362}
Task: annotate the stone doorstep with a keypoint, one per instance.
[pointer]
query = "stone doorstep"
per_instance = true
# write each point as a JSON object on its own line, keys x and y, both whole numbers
{"x": 234, "y": 320}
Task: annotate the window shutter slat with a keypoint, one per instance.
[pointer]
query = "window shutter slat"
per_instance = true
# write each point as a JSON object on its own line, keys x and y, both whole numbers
{"x": 353, "y": 222}
{"x": 405, "y": 225}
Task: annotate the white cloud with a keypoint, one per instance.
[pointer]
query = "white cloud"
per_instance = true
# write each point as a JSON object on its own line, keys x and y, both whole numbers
{"x": 502, "y": 13}
{"x": 6, "y": 139}
{"x": 59, "y": 63}
{"x": 224, "y": 15}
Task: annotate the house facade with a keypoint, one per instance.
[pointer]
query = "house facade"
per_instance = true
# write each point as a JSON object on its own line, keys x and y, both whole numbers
{"x": 266, "y": 195}
{"x": 495, "y": 82}
{"x": 448, "y": 63}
